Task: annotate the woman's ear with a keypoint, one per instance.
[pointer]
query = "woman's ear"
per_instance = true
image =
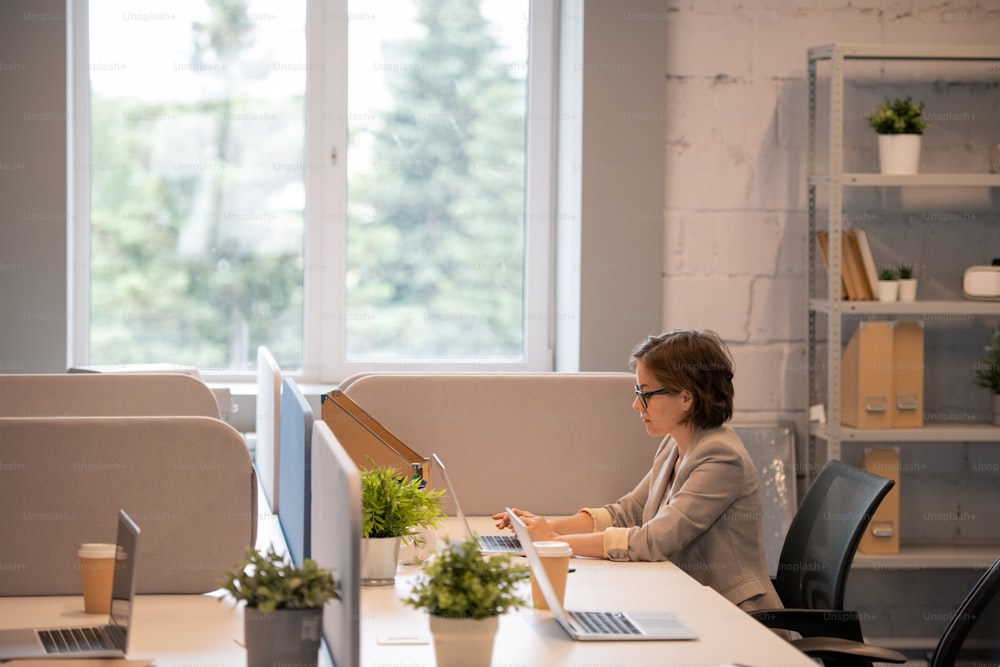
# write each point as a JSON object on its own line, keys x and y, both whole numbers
{"x": 687, "y": 399}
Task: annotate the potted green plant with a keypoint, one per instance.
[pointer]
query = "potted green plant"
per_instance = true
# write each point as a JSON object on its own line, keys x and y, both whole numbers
{"x": 907, "y": 283}
{"x": 464, "y": 594}
{"x": 394, "y": 507}
{"x": 283, "y": 618}
{"x": 988, "y": 372}
{"x": 888, "y": 286}
{"x": 899, "y": 124}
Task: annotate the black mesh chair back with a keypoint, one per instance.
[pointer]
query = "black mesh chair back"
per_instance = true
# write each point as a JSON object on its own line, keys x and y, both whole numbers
{"x": 824, "y": 535}
{"x": 972, "y": 636}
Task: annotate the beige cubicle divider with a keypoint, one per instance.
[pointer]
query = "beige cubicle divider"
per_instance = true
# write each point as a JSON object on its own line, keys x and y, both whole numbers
{"x": 188, "y": 482}
{"x": 105, "y": 395}
{"x": 547, "y": 442}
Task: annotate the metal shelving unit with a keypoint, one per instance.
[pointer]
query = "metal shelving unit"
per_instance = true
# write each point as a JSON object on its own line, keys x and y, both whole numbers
{"x": 832, "y": 178}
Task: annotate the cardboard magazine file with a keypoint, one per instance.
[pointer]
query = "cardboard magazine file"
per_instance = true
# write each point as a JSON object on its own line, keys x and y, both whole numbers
{"x": 368, "y": 442}
{"x": 866, "y": 377}
{"x": 907, "y": 403}
{"x": 882, "y": 535}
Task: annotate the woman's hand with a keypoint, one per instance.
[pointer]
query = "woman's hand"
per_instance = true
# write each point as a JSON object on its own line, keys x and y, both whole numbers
{"x": 503, "y": 521}
{"x": 538, "y": 527}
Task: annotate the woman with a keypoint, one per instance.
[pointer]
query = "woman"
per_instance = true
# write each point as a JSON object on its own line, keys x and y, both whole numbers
{"x": 699, "y": 506}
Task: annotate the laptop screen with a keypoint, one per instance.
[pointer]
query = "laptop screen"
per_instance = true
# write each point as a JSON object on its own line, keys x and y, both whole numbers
{"x": 123, "y": 586}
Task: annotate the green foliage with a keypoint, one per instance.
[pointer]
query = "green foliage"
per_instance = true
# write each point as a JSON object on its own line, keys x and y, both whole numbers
{"x": 267, "y": 581}
{"x": 899, "y": 116}
{"x": 905, "y": 271}
{"x": 988, "y": 368}
{"x": 394, "y": 506}
{"x": 887, "y": 273}
{"x": 459, "y": 582}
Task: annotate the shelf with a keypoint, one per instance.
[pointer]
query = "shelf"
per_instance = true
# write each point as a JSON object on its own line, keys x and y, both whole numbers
{"x": 931, "y": 432}
{"x": 904, "y": 52}
{"x": 926, "y": 308}
{"x": 868, "y": 180}
{"x": 930, "y": 558}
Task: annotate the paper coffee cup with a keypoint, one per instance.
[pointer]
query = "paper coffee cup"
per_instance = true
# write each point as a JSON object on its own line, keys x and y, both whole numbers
{"x": 555, "y": 558}
{"x": 97, "y": 571}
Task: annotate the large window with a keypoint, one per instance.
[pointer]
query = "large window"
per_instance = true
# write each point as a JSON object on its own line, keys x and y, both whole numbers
{"x": 245, "y": 187}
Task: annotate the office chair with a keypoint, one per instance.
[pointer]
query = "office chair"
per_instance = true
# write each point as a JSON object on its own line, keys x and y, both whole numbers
{"x": 970, "y": 638}
{"x": 818, "y": 550}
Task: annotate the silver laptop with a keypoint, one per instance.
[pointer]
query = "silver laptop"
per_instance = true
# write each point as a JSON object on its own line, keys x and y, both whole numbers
{"x": 599, "y": 625}
{"x": 498, "y": 543}
{"x": 101, "y": 641}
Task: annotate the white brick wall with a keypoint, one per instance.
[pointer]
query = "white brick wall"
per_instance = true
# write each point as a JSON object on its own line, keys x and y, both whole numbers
{"x": 736, "y": 124}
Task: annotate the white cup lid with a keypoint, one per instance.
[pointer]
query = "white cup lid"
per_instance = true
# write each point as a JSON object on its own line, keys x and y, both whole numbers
{"x": 97, "y": 550}
{"x": 553, "y": 549}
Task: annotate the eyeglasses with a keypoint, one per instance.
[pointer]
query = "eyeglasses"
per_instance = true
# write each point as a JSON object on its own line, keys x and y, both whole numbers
{"x": 644, "y": 395}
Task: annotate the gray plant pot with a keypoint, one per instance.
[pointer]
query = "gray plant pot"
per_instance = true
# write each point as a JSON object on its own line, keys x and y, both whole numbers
{"x": 379, "y": 559}
{"x": 283, "y": 637}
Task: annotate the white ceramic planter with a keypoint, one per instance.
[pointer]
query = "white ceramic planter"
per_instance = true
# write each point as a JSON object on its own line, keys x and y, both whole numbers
{"x": 899, "y": 153}
{"x": 464, "y": 642}
{"x": 907, "y": 289}
{"x": 888, "y": 290}
{"x": 379, "y": 558}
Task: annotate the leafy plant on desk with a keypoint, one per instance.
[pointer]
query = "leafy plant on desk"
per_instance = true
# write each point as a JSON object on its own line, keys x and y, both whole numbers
{"x": 988, "y": 368}
{"x": 459, "y": 582}
{"x": 899, "y": 116}
{"x": 905, "y": 271}
{"x": 268, "y": 581}
{"x": 394, "y": 506}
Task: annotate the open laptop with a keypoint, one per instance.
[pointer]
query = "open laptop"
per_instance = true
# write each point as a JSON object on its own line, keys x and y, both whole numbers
{"x": 498, "y": 543}
{"x": 599, "y": 625}
{"x": 102, "y": 641}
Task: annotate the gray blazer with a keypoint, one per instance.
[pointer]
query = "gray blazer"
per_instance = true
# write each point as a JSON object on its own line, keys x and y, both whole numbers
{"x": 708, "y": 522}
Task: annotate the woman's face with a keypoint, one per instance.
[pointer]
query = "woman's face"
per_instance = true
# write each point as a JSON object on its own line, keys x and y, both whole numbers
{"x": 664, "y": 412}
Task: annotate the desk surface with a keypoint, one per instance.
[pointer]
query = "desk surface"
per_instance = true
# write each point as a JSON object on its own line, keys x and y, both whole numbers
{"x": 201, "y": 629}
{"x": 530, "y": 637}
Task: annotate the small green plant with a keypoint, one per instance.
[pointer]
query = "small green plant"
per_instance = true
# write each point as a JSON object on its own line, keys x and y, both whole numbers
{"x": 888, "y": 273}
{"x": 988, "y": 368}
{"x": 268, "y": 581}
{"x": 899, "y": 116}
{"x": 459, "y": 582}
{"x": 905, "y": 271}
{"x": 394, "y": 506}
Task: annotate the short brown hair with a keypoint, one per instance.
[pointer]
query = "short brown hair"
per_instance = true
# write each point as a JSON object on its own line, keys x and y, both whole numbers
{"x": 696, "y": 361}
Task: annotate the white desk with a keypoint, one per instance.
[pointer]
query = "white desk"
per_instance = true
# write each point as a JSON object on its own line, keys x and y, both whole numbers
{"x": 534, "y": 638}
{"x": 184, "y": 630}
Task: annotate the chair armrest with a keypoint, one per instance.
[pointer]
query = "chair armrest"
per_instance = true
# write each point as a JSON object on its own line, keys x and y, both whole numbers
{"x": 839, "y": 649}
{"x": 813, "y": 622}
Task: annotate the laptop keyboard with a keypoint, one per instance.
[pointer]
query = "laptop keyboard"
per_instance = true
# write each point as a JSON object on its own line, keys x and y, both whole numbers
{"x": 500, "y": 542}
{"x": 74, "y": 640}
{"x": 605, "y": 623}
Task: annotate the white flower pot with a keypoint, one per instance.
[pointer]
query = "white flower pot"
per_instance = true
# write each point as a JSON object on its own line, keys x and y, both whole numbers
{"x": 464, "y": 642}
{"x": 899, "y": 153}
{"x": 907, "y": 289}
{"x": 888, "y": 290}
{"x": 379, "y": 559}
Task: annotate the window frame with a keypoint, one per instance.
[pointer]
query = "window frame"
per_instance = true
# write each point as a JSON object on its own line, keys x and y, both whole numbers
{"x": 324, "y": 256}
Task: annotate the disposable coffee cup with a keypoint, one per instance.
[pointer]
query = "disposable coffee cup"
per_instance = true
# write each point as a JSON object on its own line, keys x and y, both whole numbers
{"x": 555, "y": 558}
{"x": 97, "y": 570}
